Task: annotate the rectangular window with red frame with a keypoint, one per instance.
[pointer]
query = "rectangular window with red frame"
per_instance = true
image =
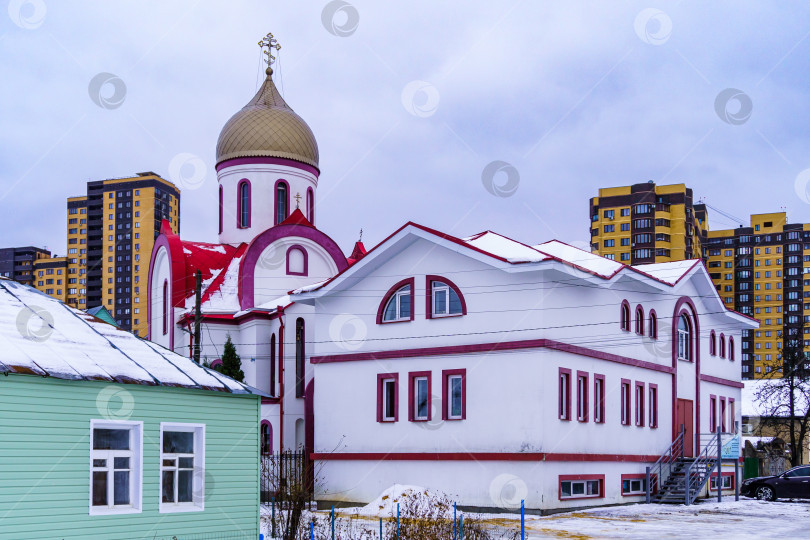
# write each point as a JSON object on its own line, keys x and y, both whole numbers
{"x": 653, "y": 405}
{"x": 454, "y": 394}
{"x": 723, "y": 414}
{"x": 732, "y": 420}
{"x": 564, "y": 395}
{"x": 599, "y": 398}
{"x": 582, "y": 396}
{"x": 712, "y": 413}
{"x": 625, "y": 402}
{"x": 581, "y": 486}
{"x": 387, "y": 397}
{"x": 639, "y": 404}
{"x": 419, "y": 397}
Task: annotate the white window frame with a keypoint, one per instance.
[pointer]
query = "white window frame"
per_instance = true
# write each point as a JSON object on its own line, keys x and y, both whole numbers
{"x": 385, "y": 392}
{"x": 396, "y": 297}
{"x": 683, "y": 340}
{"x": 450, "y": 415}
{"x": 642, "y": 490}
{"x": 584, "y": 494}
{"x": 713, "y": 482}
{"x": 198, "y": 482}
{"x": 582, "y": 398}
{"x": 135, "y": 454}
{"x": 416, "y": 400}
{"x": 442, "y": 288}
{"x": 598, "y": 399}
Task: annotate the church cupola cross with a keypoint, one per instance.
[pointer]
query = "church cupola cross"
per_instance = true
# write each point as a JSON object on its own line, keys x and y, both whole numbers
{"x": 267, "y": 44}
{"x": 297, "y": 200}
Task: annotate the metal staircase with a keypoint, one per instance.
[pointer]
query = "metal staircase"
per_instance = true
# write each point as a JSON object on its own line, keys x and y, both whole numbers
{"x": 677, "y": 479}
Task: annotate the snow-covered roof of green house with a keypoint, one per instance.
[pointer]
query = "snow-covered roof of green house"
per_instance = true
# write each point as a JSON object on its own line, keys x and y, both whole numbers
{"x": 42, "y": 336}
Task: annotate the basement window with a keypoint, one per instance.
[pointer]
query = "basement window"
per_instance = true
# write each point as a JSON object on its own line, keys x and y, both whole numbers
{"x": 581, "y": 486}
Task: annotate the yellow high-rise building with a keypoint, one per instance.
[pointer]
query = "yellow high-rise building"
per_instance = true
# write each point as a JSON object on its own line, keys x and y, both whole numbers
{"x": 759, "y": 271}
{"x": 110, "y": 234}
{"x": 646, "y": 223}
{"x": 51, "y": 277}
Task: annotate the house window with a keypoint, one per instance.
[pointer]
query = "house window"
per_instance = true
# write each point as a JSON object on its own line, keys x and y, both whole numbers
{"x": 165, "y": 306}
{"x": 282, "y": 201}
{"x": 712, "y": 413}
{"x": 582, "y": 396}
{"x": 419, "y": 396}
{"x": 399, "y": 306}
{"x": 445, "y": 299}
{"x": 266, "y": 434}
{"x": 722, "y": 346}
{"x": 297, "y": 261}
{"x": 599, "y": 399}
{"x": 625, "y": 320}
{"x": 640, "y": 404}
{"x": 573, "y": 486}
{"x": 300, "y": 360}
{"x": 723, "y": 414}
{"x": 684, "y": 338}
{"x": 640, "y": 320}
{"x": 564, "y": 395}
{"x": 116, "y": 457}
{"x": 220, "y": 209}
{"x": 653, "y": 405}
{"x": 454, "y": 394}
{"x": 182, "y": 467}
{"x": 625, "y": 402}
{"x": 311, "y": 205}
{"x": 273, "y": 364}
{"x": 387, "y": 398}
{"x": 731, "y": 418}
{"x": 634, "y": 484}
{"x": 712, "y": 343}
{"x": 727, "y": 482}
{"x": 731, "y": 348}
{"x": 243, "y": 212}
{"x": 653, "y": 325}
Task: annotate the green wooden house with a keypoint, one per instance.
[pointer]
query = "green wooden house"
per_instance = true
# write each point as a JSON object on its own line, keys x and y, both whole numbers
{"x": 104, "y": 435}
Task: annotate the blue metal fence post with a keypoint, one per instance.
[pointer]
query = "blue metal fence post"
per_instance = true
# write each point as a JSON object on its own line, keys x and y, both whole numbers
{"x": 380, "y": 528}
{"x": 455, "y": 523}
{"x": 397, "y": 521}
{"x": 333, "y": 522}
{"x": 522, "y": 520}
{"x": 273, "y": 519}
{"x": 311, "y": 530}
{"x": 461, "y": 527}
{"x": 261, "y": 536}
{"x": 648, "y": 487}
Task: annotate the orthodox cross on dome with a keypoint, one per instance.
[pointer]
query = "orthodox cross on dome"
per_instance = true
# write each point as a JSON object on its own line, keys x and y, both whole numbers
{"x": 361, "y": 235}
{"x": 267, "y": 44}
{"x": 297, "y": 200}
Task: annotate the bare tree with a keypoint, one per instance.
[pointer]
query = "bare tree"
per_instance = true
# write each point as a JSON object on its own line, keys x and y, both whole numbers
{"x": 784, "y": 402}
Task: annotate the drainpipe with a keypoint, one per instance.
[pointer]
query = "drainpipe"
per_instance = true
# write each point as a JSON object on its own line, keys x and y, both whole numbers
{"x": 280, "y": 311}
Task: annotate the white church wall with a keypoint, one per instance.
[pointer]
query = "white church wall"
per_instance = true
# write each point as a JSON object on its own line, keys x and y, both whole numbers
{"x": 160, "y": 274}
{"x": 273, "y": 279}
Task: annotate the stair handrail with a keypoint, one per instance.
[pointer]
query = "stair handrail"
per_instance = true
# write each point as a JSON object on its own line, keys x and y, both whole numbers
{"x": 702, "y": 469}
{"x": 671, "y": 455}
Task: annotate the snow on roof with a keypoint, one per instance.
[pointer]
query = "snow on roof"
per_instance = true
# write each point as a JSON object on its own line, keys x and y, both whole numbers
{"x": 223, "y": 293}
{"x": 505, "y": 248}
{"x": 584, "y": 259}
{"x": 668, "y": 272}
{"x": 41, "y": 336}
{"x": 311, "y": 287}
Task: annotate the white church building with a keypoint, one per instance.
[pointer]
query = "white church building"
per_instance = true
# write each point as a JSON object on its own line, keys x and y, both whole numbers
{"x": 483, "y": 367}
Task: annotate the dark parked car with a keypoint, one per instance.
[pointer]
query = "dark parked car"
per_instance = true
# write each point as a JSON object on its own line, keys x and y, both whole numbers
{"x": 792, "y": 484}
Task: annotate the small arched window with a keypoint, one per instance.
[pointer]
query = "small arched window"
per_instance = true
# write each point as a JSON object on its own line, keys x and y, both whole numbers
{"x": 217, "y": 364}
{"x": 297, "y": 261}
{"x": 722, "y": 346}
{"x": 311, "y": 205}
{"x": 299, "y": 357}
{"x": 399, "y": 306}
{"x": 625, "y": 320}
{"x": 282, "y": 201}
{"x": 243, "y": 212}
{"x": 267, "y": 438}
{"x": 220, "y": 209}
{"x": 653, "y": 325}
{"x": 639, "y": 320}
{"x": 445, "y": 299}
{"x": 273, "y": 364}
{"x": 712, "y": 343}
{"x": 684, "y": 338}
{"x": 731, "y": 348}
{"x": 165, "y": 306}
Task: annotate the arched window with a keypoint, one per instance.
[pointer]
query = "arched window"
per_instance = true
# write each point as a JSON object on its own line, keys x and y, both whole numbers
{"x": 444, "y": 298}
{"x": 639, "y": 320}
{"x": 165, "y": 306}
{"x": 267, "y": 438}
{"x": 712, "y": 343}
{"x": 653, "y": 324}
{"x": 399, "y": 306}
{"x": 220, "y": 209}
{"x": 731, "y": 348}
{"x": 684, "y": 338}
{"x": 243, "y": 212}
{"x": 311, "y": 205}
{"x": 217, "y": 364}
{"x": 273, "y": 364}
{"x": 625, "y": 320}
{"x": 722, "y": 346}
{"x": 282, "y": 201}
{"x": 297, "y": 261}
{"x": 299, "y": 357}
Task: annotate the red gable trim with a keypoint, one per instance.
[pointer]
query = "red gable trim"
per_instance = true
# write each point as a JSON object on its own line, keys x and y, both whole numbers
{"x": 482, "y": 456}
{"x": 718, "y": 380}
{"x": 491, "y": 347}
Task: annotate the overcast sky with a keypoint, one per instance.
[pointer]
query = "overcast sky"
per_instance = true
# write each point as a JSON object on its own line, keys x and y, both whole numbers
{"x": 410, "y": 101}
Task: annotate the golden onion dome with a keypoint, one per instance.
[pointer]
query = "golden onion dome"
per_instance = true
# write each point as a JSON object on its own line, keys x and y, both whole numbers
{"x": 267, "y": 127}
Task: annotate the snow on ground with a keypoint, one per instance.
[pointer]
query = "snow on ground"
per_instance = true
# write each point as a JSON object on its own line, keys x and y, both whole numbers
{"x": 747, "y": 518}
